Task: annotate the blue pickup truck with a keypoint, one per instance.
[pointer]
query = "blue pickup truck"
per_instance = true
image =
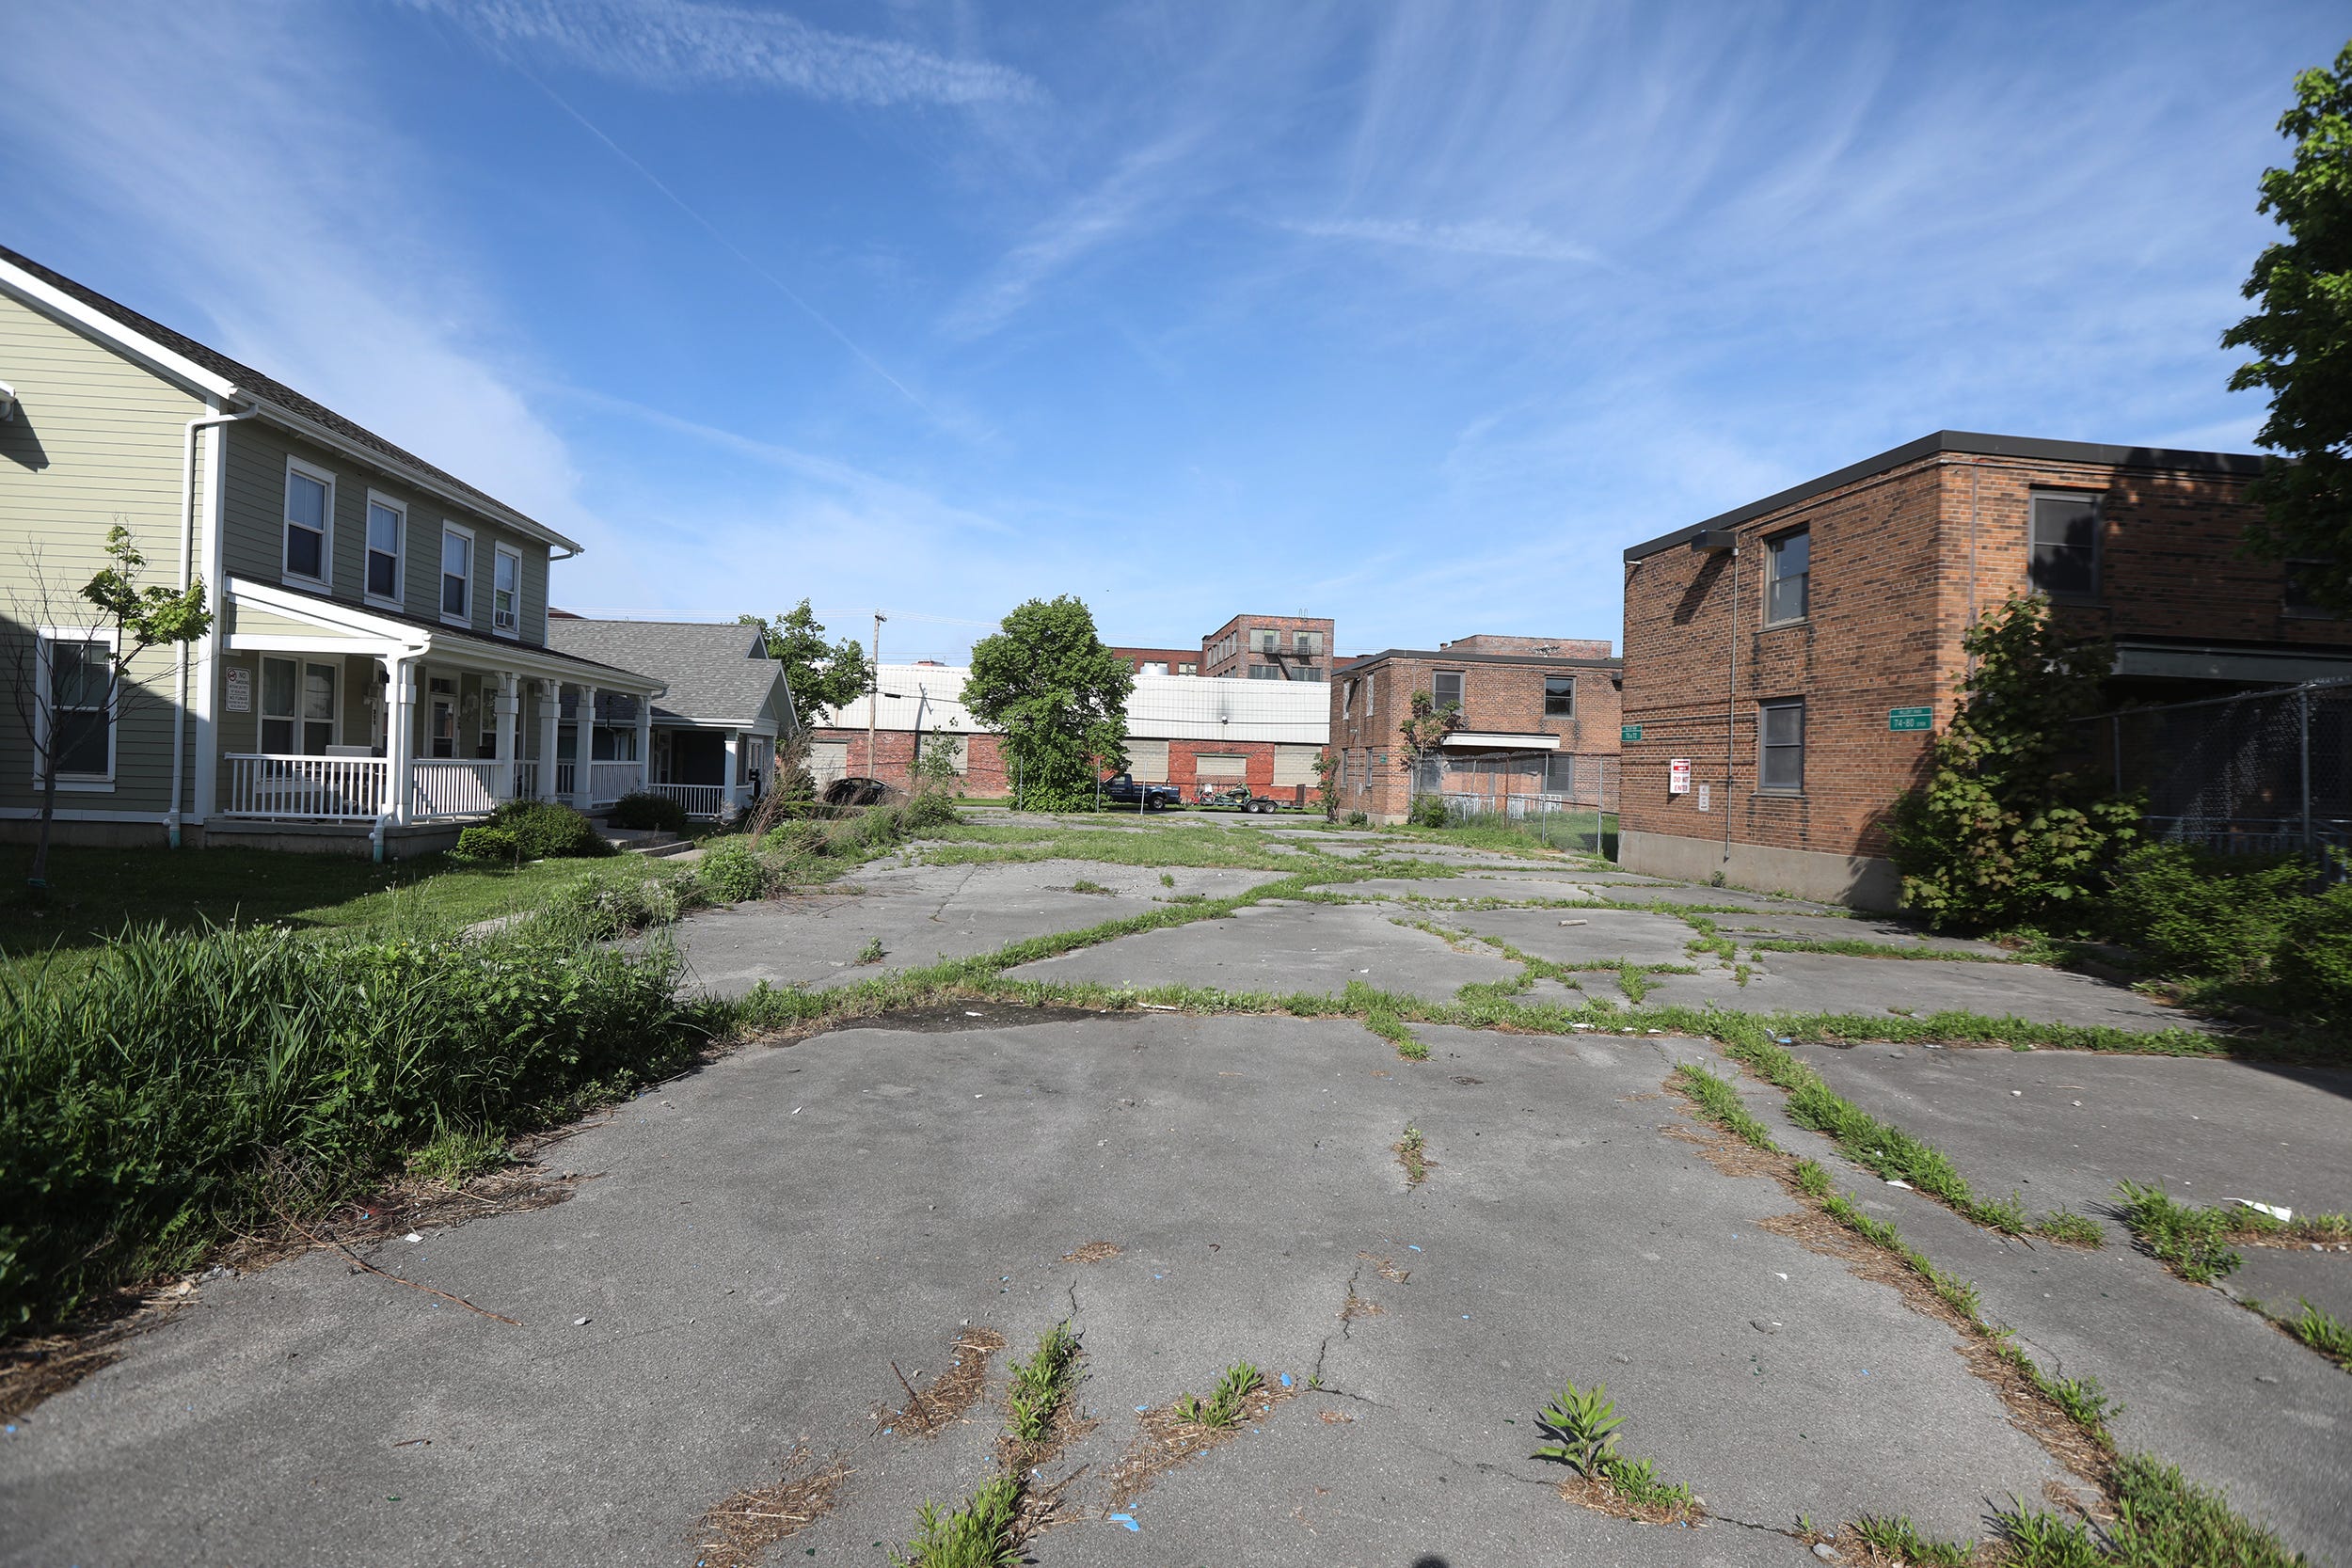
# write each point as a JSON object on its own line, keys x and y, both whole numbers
{"x": 1121, "y": 789}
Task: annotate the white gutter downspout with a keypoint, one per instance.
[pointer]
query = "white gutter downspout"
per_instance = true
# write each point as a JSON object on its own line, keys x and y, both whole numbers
{"x": 187, "y": 574}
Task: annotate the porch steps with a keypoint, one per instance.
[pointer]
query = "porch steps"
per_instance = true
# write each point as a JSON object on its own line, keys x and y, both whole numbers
{"x": 650, "y": 842}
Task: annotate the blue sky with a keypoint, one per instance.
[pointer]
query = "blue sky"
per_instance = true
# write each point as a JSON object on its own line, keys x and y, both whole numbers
{"x": 1412, "y": 315}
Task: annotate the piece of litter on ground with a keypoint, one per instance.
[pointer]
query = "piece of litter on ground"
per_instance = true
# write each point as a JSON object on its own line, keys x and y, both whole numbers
{"x": 2277, "y": 1211}
{"x": 1904, "y": 1185}
{"x": 796, "y": 1110}
{"x": 1127, "y": 1519}
{"x": 969, "y": 1013}
{"x": 2077, "y": 1102}
{"x": 1576, "y": 923}
{"x": 1286, "y": 1380}
{"x": 412, "y": 1236}
{"x": 1782, "y": 1039}
{"x": 1411, "y": 1247}
{"x": 579, "y": 1322}
{"x": 2017, "y": 1094}
{"x": 1141, "y": 1408}
{"x": 1784, "y": 1276}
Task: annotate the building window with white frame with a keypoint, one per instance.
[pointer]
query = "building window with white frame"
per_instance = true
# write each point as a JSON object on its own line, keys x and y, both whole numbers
{"x": 1559, "y": 696}
{"x": 1780, "y": 765}
{"x": 506, "y": 592}
{"x": 309, "y": 523}
{"x": 387, "y": 520}
{"x": 1446, "y": 687}
{"x": 76, "y": 719}
{"x": 298, "y": 708}
{"x": 456, "y": 574}
{"x": 2064, "y": 561}
{"x": 1788, "y": 577}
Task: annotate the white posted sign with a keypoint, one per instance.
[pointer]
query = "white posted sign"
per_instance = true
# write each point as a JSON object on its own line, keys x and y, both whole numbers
{"x": 1678, "y": 776}
{"x": 240, "y": 689}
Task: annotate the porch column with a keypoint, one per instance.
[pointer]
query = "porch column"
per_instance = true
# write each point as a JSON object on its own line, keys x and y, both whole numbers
{"x": 735, "y": 740}
{"x": 509, "y": 711}
{"x": 644, "y": 742}
{"x": 400, "y": 740}
{"x": 583, "y": 748}
{"x": 551, "y": 709}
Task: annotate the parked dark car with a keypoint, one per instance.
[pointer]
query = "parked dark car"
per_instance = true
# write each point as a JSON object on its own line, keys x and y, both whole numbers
{"x": 1121, "y": 789}
{"x": 854, "y": 791}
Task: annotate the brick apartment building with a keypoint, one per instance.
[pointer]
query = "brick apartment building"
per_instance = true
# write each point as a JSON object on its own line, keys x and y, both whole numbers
{"x": 1160, "y": 662}
{"x": 1793, "y": 652}
{"x": 1539, "y": 716}
{"x": 1270, "y": 647}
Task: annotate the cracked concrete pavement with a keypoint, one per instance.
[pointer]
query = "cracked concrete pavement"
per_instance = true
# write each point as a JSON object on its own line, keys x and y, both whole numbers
{"x": 764, "y": 1237}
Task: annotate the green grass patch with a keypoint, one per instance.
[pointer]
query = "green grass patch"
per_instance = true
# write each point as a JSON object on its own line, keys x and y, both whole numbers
{"x": 2192, "y": 1241}
{"x": 1856, "y": 948}
{"x": 1041, "y": 1384}
{"x": 981, "y": 1533}
{"x": 2322, "y": 1331}
{"x": 2163, "y": 1520}
{"x": 1899, "y": 1540}
{"x": 1719, "y": 1101}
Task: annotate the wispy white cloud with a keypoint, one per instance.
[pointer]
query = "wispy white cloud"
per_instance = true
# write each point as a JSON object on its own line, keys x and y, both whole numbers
{"x": 1500, "y": 238}
{"x": 680, "y": 44}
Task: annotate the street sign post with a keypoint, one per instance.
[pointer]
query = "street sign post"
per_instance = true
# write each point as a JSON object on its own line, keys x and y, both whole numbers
{"x": 1911, "y": 718}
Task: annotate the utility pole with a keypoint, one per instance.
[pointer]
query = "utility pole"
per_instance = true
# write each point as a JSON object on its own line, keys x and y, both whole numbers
{"x": 873, "y": 696}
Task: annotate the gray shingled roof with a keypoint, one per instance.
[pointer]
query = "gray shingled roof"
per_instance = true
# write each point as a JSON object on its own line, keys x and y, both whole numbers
{"x": 718, "y": 674}
{"x": 268, "y": 388}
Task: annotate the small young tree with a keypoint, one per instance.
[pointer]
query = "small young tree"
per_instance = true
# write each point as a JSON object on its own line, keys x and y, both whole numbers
{"x": 2002, "y": 832}
{"x": 935, "y": 763}
{"x": 1327, "y": 789}
{"x": 1058, "y": 697}
{"x": 2303, "y": 334}
{"x": 69, "y": 693}
{"x": 820, "y": 674}
{"x": 1423, "y": 729}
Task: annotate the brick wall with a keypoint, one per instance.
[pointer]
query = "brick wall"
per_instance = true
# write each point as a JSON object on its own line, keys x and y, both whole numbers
{"x": 1226, "y": 651}
{"x": 1900, "y": 563}
{"x": 1498, "y": 693}
{"x": 1559, "y": 647}
{"x": 989, "y": 775}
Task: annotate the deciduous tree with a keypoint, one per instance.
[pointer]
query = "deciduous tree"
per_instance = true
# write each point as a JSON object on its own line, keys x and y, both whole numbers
{"x": 1058, "y": 696}
{"x": 820, "y": 674}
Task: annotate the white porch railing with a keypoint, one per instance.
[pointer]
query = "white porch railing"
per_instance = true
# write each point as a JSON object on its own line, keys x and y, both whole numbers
{"x": 565, "y": 772}
{"x": 339, "y": 789}
{"x": 609, "y": 780}
{"x": 526, "y": 779}
{"x": 444, "y": 787}
{"x": 698, "y": 799}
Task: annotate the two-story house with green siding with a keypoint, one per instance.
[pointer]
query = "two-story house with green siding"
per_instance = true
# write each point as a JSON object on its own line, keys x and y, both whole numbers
{"x": 377, "y": 673}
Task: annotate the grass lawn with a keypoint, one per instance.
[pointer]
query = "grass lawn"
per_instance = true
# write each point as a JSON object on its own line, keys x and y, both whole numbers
{"x": 93, "y": 894}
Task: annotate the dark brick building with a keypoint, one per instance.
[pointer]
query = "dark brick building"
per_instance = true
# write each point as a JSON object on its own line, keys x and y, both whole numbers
{"x": 1270, "y": 647}
{"x": 1793, "y": 652}
{"x": 1539, "y": 716}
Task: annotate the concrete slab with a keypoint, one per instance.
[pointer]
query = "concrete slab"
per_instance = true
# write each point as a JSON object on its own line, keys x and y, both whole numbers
{"x": 922, "y": 915}
{"x": 2204, "y": 1383}
{"x": 1808, "y": 928}
{"x": 1686, "y": 892}
{"x": 767, "y": 1236}
{"x": 1283, "y": 948}
{"x": 1599, "y": 936}
{"x": 1827, "y": 982}
{"x": 2281, "y": 1280}
{"x": 2207, "y": 1130}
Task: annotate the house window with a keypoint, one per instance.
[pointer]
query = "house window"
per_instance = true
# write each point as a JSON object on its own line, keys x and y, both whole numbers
{"x": 1264, "y": 640}
{"x": 1559, "y": 696}
{"x": 456, "y": 575}
{"x": 1264, "y": 672}
{"x": 2301, "y": 603}
{"x": 442, "y": 738}
{"x": 298, "y": 708}
{"x": 1781, "y": 767}
{"x": 387, "y": 522}
{"x": 310, "y": 521}
{"x": 506, "y": 592}
{"x": 1789, "y": 574}
{"x": 1188, "y": 668}
{"x": 2065, "y": 556}
{"x": 1311, "y": 671}
{"x": 1307, "y": 641}
{"x": 1446, "y": 686}
{"x": 76, "y": 724}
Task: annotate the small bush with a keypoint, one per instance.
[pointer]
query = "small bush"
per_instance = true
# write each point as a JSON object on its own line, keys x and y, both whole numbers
{"x": 2314, "y": 969}
{"x": 1428, "y": 812}
{"x": 733, "y": 871}
{"x": 487, "y": 845}
{"x": 797, "y": 838}
{"x": 929, "y": 808}
{"x": 549, "y": 829}
{"x": 1357, "y": 819}
{"x": 642, "y": 809}
{"x": 2206, "y": 915}
{"x": 599, "y": 908}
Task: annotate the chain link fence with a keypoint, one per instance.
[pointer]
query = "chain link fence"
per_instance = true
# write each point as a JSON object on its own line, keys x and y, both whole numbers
{"x": 1564, "y": 802}
{"x": 2262, "y": 772}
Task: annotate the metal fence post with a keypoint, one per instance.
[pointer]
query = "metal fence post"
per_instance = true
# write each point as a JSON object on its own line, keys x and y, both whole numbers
{"x": 2116, "y": 724}
{"x": 2303, "y": 729}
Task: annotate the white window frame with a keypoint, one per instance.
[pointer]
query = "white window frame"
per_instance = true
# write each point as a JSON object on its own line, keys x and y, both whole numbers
{"x": 1773, "y": 578}
{"x": 286, "y": 525}
{"x": 300, "y": 718}
{"x": 46, "y": 639}
{"x": 441, "y": 574}
{"x": 400, "y": 551}
{"x": 513, "y": 628}
{"x": 1549, "y": 678}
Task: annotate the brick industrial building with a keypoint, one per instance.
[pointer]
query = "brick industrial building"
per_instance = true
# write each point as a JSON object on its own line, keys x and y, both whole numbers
{"x": 1182, "y": 730}
{"x": 1786, "y": 663}
{"x": 1540, "y": 717}
{"x": 1270, "y": 647}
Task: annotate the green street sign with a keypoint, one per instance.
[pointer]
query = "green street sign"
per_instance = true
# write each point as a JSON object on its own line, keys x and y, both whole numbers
{"x": 1629, "y": 732}
{"x": 1910, "y": 718}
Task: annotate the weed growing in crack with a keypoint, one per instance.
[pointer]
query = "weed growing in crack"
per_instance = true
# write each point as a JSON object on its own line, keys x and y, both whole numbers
{"x": 1721, "y": 1104}
{"x": 1854, "y": 949}
{"x": 2064, "y": 1224}
{"x": 2323, "y": 1332}
{"x": 1633, "y": 982}
{"x": 980, "y": 1534}
{"x": 1167, "y": 881}
{"x": 1412, "y": 1152}
{"x": 1085, "y": 885}
{"x": 2162, "y": 1520}
{"x": 1222, "y": 1408}
{"x": 871, "y": 952}
{"x": 2082, "y": 1398}
{"x": 1040, "y": 1383}
{"x": 1582, "y": 1425}
{"x": 2193, "y": 1243}
{"x": 1408, "y": 1045}
{"x": 1900, "y": 1539}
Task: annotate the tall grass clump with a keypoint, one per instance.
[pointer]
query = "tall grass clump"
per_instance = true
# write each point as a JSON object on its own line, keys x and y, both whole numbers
{"x": 184, "y": 1088}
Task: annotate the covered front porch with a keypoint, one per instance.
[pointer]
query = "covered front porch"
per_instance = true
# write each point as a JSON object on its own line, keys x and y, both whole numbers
{"x": 343, "y": 719}
{"x": 716, "y": 773}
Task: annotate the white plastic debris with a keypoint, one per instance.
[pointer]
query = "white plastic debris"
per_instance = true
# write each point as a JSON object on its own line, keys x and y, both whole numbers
{"x": 579, "y": 1322}
{"x": 1576, "y": 923}
{"x": 2275, "y": 1211}
{"x": 412, "y": 1236}
{"x": 2017, "y": 1094}
{"x": 1904, "y": 1185}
